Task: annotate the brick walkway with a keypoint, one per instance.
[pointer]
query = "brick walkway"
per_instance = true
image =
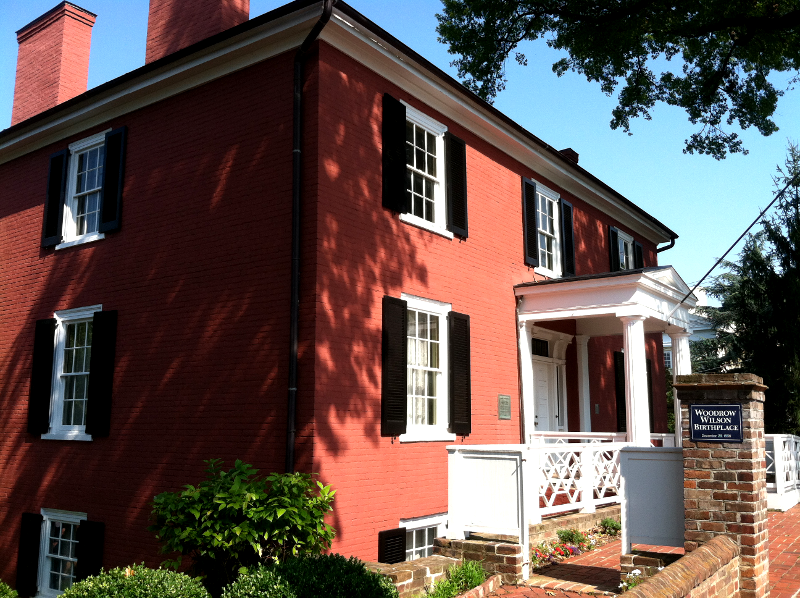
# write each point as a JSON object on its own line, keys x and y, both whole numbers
{"x": 598, "y": 571}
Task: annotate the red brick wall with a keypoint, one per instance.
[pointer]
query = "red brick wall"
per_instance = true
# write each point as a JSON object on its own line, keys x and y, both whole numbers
{"x": 52, "y": 62}
{"x": 176, "y": 24}
{"x": 364, "y": 252}
{"x": 200, "y": 275}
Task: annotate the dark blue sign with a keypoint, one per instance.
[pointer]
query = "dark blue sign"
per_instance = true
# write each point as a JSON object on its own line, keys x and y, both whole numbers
{"x": 715, "y": 423}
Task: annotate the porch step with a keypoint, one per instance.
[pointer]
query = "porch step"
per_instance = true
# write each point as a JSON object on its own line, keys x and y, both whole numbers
{"x": 546, "y": 530}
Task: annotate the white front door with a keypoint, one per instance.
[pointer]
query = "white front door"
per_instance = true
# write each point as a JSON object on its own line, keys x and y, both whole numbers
{"x": 543, "y": 396}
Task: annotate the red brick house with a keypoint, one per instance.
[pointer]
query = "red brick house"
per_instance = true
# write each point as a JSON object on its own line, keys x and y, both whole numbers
{"x": 457, "y": 279}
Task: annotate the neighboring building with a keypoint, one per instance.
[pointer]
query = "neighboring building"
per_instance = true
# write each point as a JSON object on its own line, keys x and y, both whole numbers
{"x": 460, "y": 281}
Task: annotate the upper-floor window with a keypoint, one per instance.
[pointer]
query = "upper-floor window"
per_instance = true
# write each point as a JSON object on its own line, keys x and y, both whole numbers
{"x": 84, "y": 190}
{"x": 626, "y": 254}
{"x": 424, "y": 170}
{"x": 72, "y": 374}
{"x": 84, "y": 186}
{"x": 547, "y": 230}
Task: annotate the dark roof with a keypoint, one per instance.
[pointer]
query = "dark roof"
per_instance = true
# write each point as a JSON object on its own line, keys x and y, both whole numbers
{"x": 533, "y": 283}
{"x": 376, "y": 30}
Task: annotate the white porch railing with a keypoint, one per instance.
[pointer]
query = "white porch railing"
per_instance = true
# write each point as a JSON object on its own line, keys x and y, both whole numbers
{"x": 667, "y": 440}
{"x": 502, "y": 489}
{"x": 783, "y": 471}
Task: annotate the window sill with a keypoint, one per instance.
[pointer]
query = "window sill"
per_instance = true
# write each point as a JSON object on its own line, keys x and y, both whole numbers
{"x": 427, "y": 434}
{"x": 81, "y": 240}
{"x": 82, "y": 436}
{"x": 422, "y": 223}
{"x": 547, "y": 272}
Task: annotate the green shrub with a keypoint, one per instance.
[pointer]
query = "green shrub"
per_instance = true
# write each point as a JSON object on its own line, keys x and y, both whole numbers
{"x": 571, "y": 536}
{"x": 610, "y": 526}
{"x": 259, "y": 582}
{"x": 234, "y": 519}
{"x": 7, "y": 592}
{"x": 460, "y": 579}
{"x": 333, "y": 576}
{"x": 137, "y": 582}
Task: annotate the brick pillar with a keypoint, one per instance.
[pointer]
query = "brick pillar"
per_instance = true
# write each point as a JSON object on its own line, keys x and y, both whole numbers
{"x": 725, "y": 489}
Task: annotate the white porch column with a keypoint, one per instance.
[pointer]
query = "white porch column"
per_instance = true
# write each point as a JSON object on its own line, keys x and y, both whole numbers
{"x": 681, "y": 365}
{"x": 681, "y": 358}
{"x": 636, "y": 395}
{"x": 526, "y": 373}
{"x": 584, "y": 398}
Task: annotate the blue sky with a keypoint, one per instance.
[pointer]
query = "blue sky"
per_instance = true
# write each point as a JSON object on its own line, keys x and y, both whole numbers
{"x": 707, "y": 202}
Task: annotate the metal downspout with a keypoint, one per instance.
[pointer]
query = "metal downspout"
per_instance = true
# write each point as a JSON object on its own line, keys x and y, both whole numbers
{"x": 294, "y": 310}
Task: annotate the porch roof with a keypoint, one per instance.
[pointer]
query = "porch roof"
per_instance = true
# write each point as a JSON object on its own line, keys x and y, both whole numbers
{"x": 597, "y": 301}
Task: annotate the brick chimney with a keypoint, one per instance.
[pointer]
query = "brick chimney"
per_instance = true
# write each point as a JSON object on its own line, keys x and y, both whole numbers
{"x": 176, "y": 24}
{"x": 53, "y": 60}
{"x": 569, "y": 154}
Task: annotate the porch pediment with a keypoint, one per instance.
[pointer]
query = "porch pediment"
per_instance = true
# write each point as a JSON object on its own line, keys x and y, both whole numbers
{"x": 597, "y": 301}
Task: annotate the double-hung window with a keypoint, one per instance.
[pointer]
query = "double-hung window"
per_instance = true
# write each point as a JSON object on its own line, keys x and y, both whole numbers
{"x": 626, "y": 254}
{"x": 59, "y": 551}
{"x": 425, "y": 382}
{"x": 84, "y": 190}
{"x": 424, "y": 170}
{"x": 427, "y": 364}
{"x": 72, "y": 374}
{"x": 547, "y": 230}
{"x": 56, "y": 549}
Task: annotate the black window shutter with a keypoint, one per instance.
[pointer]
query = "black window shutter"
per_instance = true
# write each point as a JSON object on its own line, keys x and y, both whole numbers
{"x": 567, "y": 239}
{"x": 619, "y": 385}
{"x": 54, "y": 203}
{"x": 613, "y": 246}
{"x": 650, "y": 393}
{"x": 113, "y": 176}
{"x": 530, "y": 222}
{"x": 394, "y": 397}
{"x": 393, "y": 130}
{"x": 91, "y": 538}
{"x": 638, "y": 255}
{"x": 456, "y": 154}
{"x": 41, "y": 377}
{"x": 30, "y": 537}
{"x": 460, "y": 385}
{"x": 392, "y": 546}
{"x": 101, "y": 373}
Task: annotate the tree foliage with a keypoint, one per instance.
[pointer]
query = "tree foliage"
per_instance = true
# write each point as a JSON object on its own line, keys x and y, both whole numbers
{"x": 235, "y": 519}
{"x": 723, "y": 51}
{"x": 758, "y": 321}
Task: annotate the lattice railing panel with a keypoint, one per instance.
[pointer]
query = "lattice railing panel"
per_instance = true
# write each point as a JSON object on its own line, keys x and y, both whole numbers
{"x": 560, "y": 471}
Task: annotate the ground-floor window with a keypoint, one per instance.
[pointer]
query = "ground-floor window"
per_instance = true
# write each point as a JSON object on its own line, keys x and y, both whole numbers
{"x": 59, "y": 551}
{"x": 420, "y": 533}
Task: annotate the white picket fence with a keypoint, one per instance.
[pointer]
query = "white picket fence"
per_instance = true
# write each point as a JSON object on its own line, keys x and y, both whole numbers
{"x": 783, "y": 471}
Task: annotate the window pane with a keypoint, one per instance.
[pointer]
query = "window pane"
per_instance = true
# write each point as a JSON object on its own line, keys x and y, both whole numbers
{"x": 419, "y": 538}
{"x": 434, "y": 327}
{"x": 422, "y": 353}
{"x": 423, "y": 325}
{"x": 431, "y": 535}
{"x": 409, "y": 133}
{"x": 70, "y": 335}
{"x": 431, "y": 412}
{"x": 419, "y": 410}
{"x": 419, "y": 136}
{"x": 428, "y": 189}
{"x": 412, "y": 322}
{"x": 431, "y": 384}
{"x": 420, "y": 159}
{"x": 434, "y": 355}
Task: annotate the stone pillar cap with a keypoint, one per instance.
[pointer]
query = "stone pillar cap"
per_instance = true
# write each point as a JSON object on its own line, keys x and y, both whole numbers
{"x": 720, "y": 381}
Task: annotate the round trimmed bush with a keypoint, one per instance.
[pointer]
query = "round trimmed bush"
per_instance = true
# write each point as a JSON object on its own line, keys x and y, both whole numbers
{"x": 7, "y": 592}
{"x": 138, "y": 581}
{"x": 260, "y": 582}
{"x": 333, "y": 576}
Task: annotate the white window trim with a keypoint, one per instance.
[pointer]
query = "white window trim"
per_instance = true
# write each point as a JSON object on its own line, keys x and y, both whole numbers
{"x": 439, "y": 431}
{"x": 57, "y": 431}
{"x": 439, "y": 201}
{"x": 557, "y": 270}
{"x": 52, "y": 515}
{"x": 439, "y": 521}
{"x": 70, "y": 239}
{"x": 625, "y": 238}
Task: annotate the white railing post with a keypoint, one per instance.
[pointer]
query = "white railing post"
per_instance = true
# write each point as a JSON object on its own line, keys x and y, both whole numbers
{"x": 780, "y": 475}
{"x": 587, "y": 480}
{"x": 455, "y": 515}
{"x": 535, "y": 483}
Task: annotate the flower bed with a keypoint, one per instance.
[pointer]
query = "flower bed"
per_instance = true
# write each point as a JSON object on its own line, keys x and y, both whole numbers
{"x": 570, "y": 543}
